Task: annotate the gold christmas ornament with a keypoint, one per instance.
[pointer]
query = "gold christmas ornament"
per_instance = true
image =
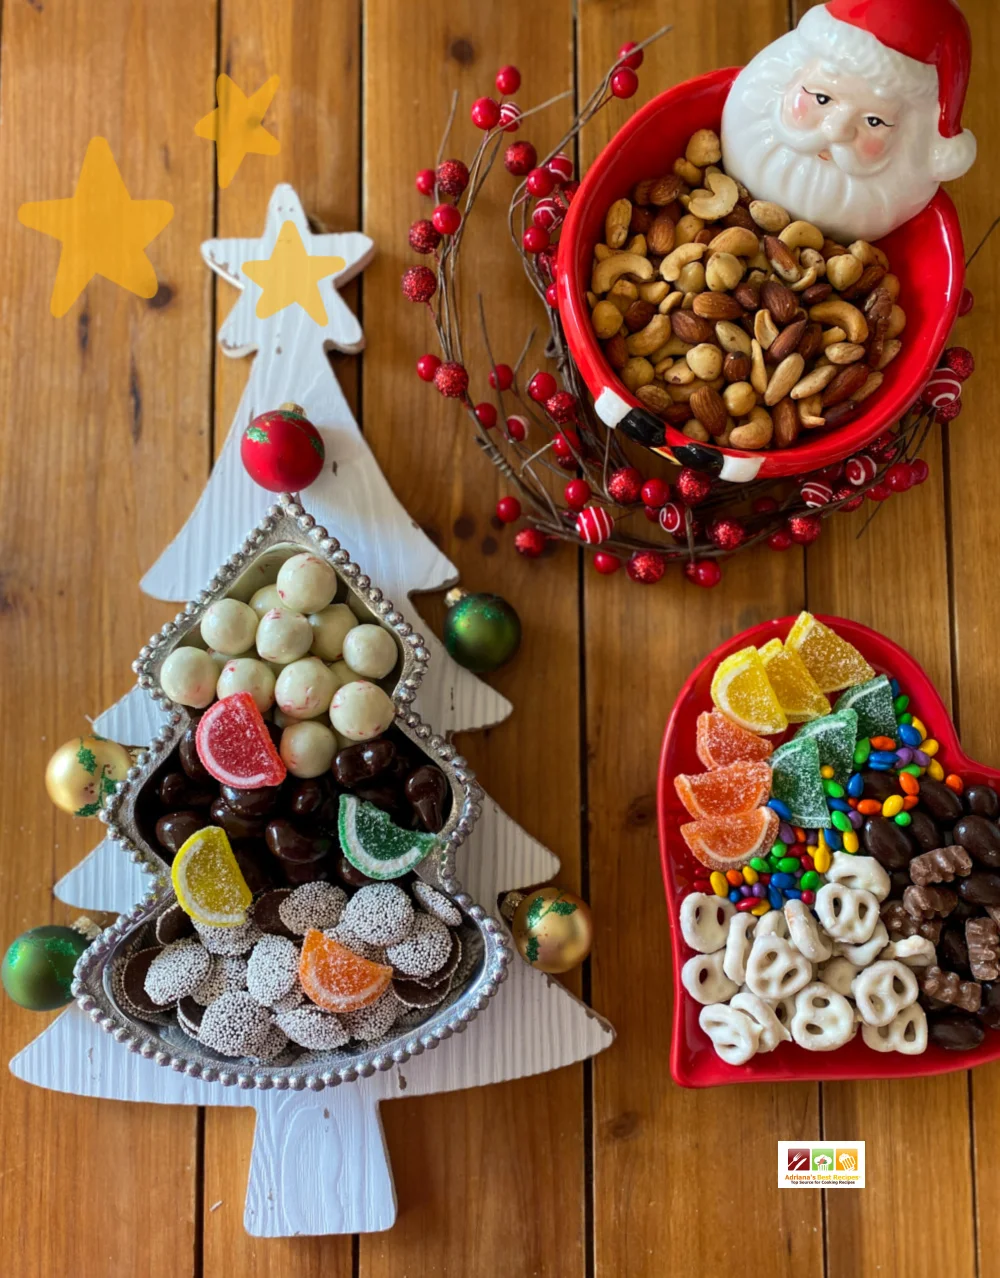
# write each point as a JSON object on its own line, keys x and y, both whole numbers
{"x": 553, "y": 930}
{"x": 83, "y": 772}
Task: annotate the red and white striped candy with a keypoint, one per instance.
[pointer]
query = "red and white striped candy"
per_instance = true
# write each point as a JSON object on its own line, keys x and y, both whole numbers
{"x": 561, "y": 167}
{"x": 548, "y": 213}
{"x": 942, "y": 388}
{"x": 510, "y": 117}
{"x": 816, "y": 493}
{"x": 594, "y": 524}
{"x": 672, "y": 518}
{"x": 860, "y": 470}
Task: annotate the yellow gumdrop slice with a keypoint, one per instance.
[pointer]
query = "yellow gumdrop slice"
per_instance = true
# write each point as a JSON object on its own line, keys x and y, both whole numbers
{"x": 742, "y": 690}
{"x": 833, "y": 662}
{"x": 207, "y": 879}
{"x": 796, "y": 689}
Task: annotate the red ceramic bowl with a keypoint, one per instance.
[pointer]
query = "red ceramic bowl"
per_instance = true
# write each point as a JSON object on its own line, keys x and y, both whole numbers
{"x": 927, "y": 254}
{"x": 693, "y": 1061}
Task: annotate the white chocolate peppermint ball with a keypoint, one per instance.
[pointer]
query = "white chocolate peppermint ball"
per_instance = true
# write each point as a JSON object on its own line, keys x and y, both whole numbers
{"x": 283, "y": 636}
{"x": 304, "y": 688}
{"x": 329, "y": 628}
{"x": 220, "y": 658}
{"x": 307, "y": 749}
{"x": 265, "y": 599}
{"x": 188, "y": 676}
{"x": 342, "y": 673}
{"x": 370, "y": 651}
{"x": 361, "y": 710}
{"x": 306, "y": 584}
{"x": 229, "y": 626}
{"x": 247, "y": 674}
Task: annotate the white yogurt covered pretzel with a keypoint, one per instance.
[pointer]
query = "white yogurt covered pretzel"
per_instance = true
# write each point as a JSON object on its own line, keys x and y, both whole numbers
{"x": 705, "y": 921}
{"x": 914, "y": 951}
{"x": 867, "y": 952}
{"x": 775, "y": 969}
{"x": 772, "y": 1031}
{"x": 738, "y": 947}
{"x": 839, "y": 973}
{"x": 906, "y": 1033}
{"x": 860, "y": 872}
{"x": 735, "y": 1036}
{"x": 705, "y": 980}
{"x": 847, "y": 914}
{"x": 883, "y": 990}
{"x": 823, "y": 1020}
{"x": 804, "y": 932}
{"x": 773, "y": 923}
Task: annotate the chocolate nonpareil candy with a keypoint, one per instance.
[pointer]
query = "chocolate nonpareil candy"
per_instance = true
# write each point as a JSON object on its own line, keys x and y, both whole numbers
{"x": 427, "y": 790}
{"x": 981, "y": 838}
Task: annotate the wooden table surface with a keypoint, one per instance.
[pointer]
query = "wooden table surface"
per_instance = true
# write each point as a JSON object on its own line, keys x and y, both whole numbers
{"x": 111, "y": 416}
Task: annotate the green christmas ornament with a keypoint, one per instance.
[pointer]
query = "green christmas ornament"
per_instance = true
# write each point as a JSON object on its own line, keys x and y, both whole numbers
{"x": 38, "y": 968}
{"x": 481, "y": 632}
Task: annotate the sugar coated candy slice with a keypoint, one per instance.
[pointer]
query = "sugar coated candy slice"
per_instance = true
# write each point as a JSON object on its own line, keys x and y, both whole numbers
{"x": 797, "y": 691}
{"x": 337, "y": 979}
{"x": 721, "y": 741}
{"x": 836, "y": 735}
{"x": 726, "y": 791}
{"x": 375, "y": 845}
{"x": 832, "y": 661}
{"x": 723, "y": 843}
{"x": 796, "y": 781}
{"x": 235, "y": 746}
{"x": 208, "y": 882}
{"x": 872, "y": 702}
{"x": 742, "y": 690}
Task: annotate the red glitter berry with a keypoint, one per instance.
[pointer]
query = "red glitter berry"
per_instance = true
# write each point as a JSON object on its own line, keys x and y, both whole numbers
{"x": 577, "y": 493}
{"x": 452, "y": 380}
{"x": 780, "y": 540}
{"x": 879, "y": 492}
{"x": 566, "y": 447}
{"x": 552, "y": 296}
{"x": 486, "y": 415}
{"x": 703, "y": 572}
{"x": 542, "y": 387}
{"x": 764, "y": 506}
{"x": 508, "y": 80}
{"x": 424, "y": 236}
{"x": 629, "y": 59}
{"x": 960, "y": 361}
{"x": 517, "y": 428}
{"x": 427, "y": 366}
{"x": 452, "y": 177}
{"x": 883, "y": 446}
{"x": 693, "y": 486}
{"x": 624, "y": 83}
{"x": 508, "y": 510}
{"x": 485, "y": 114}
{"x": 520, "y": 158}
{"x": 646, "y": 567}
{"x": 919, "y": 470}
{"x": 898, "y": 477}
{"x": 446, "y": 218}
{"x": 425, "y": 182}
{"x": 656, "y": 492}
{"x": 606, "y": 564}
{"x": 540, "y": 182}
{"x": 948, "y": 412}
{"x": 502, "y": 377}
{"x": 727, "y": 534}
{"x": 804, "y": 529}
{"x": 529, "y": 542}
{"x": 851, "y": 498}
{"x": 419, "y": 283}
{"x": 625, "y": 485}
{"x": 535, "y": 239}
{"x": 561, "y": 407}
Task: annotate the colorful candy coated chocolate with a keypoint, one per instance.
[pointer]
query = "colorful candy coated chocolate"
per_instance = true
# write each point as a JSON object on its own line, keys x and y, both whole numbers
{"x": 336, "y": 978}
{"x": 721, "y": 742}
{"x": 235, "y": 746}
{"x": 741, "y": 787}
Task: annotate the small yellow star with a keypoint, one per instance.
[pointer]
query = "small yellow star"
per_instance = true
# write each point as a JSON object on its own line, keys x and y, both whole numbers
{"x": 102, "y": 229}
{"x": 290, "y": 276}
{"x": 235, "y": 125}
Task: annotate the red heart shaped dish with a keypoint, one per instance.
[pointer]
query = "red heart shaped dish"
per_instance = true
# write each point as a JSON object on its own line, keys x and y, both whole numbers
{"x": 831, "y": 862}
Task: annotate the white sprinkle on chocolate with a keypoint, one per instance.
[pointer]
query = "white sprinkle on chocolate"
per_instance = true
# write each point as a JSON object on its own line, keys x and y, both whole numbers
{"x": 436, "y": 903}
{"x": 273, "y": 968}
{"x": 235, "y": 1025}
{"x": 229, "y": 940}
{"x": 424, "y": 951}
{"x": 214, "y": 984}
{"x": 309, "y": 1027}
{"x": 318, "y": 905}
{"x": 378, "y": 1018}
{"x": 178, "y": 970}
{"x": 274, "y": 1045}
{"x": 236, "y": 972}
{"x": 292, "y": 999}
{"x": 362, "y": 948}
{"x": 379, "y": 913}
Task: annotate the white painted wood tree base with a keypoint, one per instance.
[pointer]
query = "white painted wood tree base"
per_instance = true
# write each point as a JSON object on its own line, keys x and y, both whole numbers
{"x": 319, "y": 1163}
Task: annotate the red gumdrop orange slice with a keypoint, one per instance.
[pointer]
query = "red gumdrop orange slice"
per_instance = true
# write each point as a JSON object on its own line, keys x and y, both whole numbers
{"x": 235, "y": 746}
{"x": 725, "y": 792}
{"x": 336, "y": 978}
{"x": 725, "y": 843}
{"x": 722, "y": 742}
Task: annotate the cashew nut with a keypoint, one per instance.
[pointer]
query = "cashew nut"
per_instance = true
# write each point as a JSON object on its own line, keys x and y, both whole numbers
{"x": 623, "y": 293}
{"x": 811, "y": 257}
{"x": 606, "y": 319}
{"x": 687, "y": 228}
{"x": 723, "y": 272}
{"x": 811, "y": 412}
{"x": 688, "y": 172}
{"x": 845, "y": 316}
{"x": 815, "y": 382}
{"x": 802, "y": 235}
{"x": 732, "y": 337}
{"x": 866, "y": 253}
{"x": 844, "y": 270}
{"x": 672, "y": 265}
{"x": 613, "y": 268}
{"x": 844, "y": 352}
{"x": 694, "y": 430}
{"x": 874, "y": 381}
{"x": 704, "y": 148}
{"x": 637, "y": 244}
{"x": 692, "y": 279}
{"x": 655, "y": 291}
{"x": 736, "y": 240}
{"x": 602, "y": 252}
{"x": 769, "y": 217}
{"x": 756, "y": 433}
{"x": 764, "y": 328}
{"x": 671, "y": 302}
{"x": 784, "y": 377}
{"x": 758, "y": 369}
{"x": 637, "y": 372}
{"x": 892, "y": 286}
{"x": 833, "y": 335}
{"x": 680, "y": 375}
{"x": 706, "y": 360}
{"x": 897, "y": 322}
{"x": 718, "y": 201}
{"x": 655, "y": 334}
{"x": 892, "y": 349}
{"x": 807, "y": 280}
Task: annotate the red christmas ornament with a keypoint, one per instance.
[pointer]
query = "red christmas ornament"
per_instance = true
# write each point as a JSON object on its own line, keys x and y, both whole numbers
{"x": 693, "y": 486}
{"x": 880, "y": 492}
{"x": 629, "y": 59}
{"x": 671, "y": 518}
{"x": 851, "y": 500}
{"x": 485, "y": 114}
{"x": 517, "y": 428}
{"x": 424, "y": 236}
{"x": 535, "y": 239}
{"x": 561, "y": 407}
{"x": 552, "y": 296}
{"x": 508, "y": 510}
{"x": 520, "y": 158}
{"x": 646, "y": 567}
{"x": 860, "y": 470}
{"x": 967, "y": 302}
{"x": 569, "y": 190}
{"x": 452, "y": 177}
{"x": 508, "y": 80}
{"x": 948, "y": 412}
{"x": 960, "y": 361}
{"x": 943, "y": 387}
{"x": 560, "y": 166}
{"x": 703, "y": 572}
{"x": 919, "y": 470}
{"x": 815, "y": 493}
{"x": 651, "y": 513}
{"x": 899, "y": 477}
{"x": 624, "y": 83}
{"x": 577, "y": 493}
{"x": 656, "y": 492}
{"x": 446, "y": 218}
{"x": 529, "y": 542}
{"x": 282, "y": 450}
{"x": 542, "y": 387}
{"x": 566, "y": 447}
{"x": 606, "y": 564}
{"x": 502, "y": 377}
{"x": 804, "y": 529}
{"x": 727, "y": 534}
{"x": 452, "y": 380}
{"x": 425, "y": 182}
{"x": 764, "y": 506}
{"x": 594, "y": 525}
{"x": 419, "y": 283}
{"x": 510, "y": 117}
{"x": 486, "y": 415}
{"x": 540, "y": 182}
{"x": 427, "y": 366}
{"x": 780, "y": 540}
{"x": 547, "y": 213}
{"x": 625, "y": 485}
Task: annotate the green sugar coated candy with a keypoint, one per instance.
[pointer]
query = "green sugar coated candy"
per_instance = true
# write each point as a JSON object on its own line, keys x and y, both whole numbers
{"x": 872, "y": 702}
{"x": 810, "y": 881}
{"x": 835, "y": 735}
{"x": 760, "y": 865}
{"x": 841, "y": 822}
{"x": 902, "y": 818}
{"x": 900, "y": 704}
{"x": 789, "y": 864}
{"x": 375, "y": 845}
{"x": 796, "y": 781}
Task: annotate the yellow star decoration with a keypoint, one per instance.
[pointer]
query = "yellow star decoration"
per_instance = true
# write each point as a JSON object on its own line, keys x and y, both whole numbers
{"x": 235, "y": 125}
{"x": 290, "y": 276}
{"x": 102, "y": 229}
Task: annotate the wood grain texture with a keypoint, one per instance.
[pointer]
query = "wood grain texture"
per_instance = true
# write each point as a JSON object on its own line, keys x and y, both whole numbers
{"x": 104, "y": 446}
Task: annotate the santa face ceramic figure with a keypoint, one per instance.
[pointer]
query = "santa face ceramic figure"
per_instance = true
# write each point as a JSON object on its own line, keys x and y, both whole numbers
{"x": 852, "y": 120}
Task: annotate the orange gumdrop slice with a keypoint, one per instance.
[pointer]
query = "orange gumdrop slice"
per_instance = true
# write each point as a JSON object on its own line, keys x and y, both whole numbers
{"x": 726, "y": 791}
{"x": 721, "y": 741}
{"x": 336, "y": 978}
{"x": 724, "y": 843}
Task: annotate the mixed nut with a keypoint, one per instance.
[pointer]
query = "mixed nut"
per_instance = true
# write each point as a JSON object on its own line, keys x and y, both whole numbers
{"x": 731, "y": 321}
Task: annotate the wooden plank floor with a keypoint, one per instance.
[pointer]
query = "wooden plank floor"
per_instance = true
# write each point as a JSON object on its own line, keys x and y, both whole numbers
{"x": 111, "y": 417}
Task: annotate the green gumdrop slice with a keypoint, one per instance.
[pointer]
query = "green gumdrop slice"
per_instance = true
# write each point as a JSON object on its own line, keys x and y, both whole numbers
{"x": 796, "y": 781}
{"x": 873, "y": 704}
{"x": 375, "y": 845}
{"x": 835, "y": 736}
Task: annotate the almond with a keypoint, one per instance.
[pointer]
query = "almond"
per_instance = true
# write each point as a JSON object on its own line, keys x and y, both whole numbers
{"x": 843, "y": 386}
{"x": 779, "y": 300}
{"x": 784, "y": 377}
{"x": 676, "y": 414}
{"x": 710, "y": 409}
{"x": 641, "y": 190}
{"x": 638, "y": 315}
{"x": 784, "y": 344}
{"x": 785, "y": 416}
{"x": 705, "y": 236}
{"x": 747, "y": 294}
{"x": 661, "y": 234}
{"x": 816, "y": 293}
{"x": 691, "y": 328}
{"x": 641, "y": 221}
{"x": 782, "y": 259}
{"x": 665, "y": 190}
{"x": 655, "y": 398}
{"x": 872, "y": 276}
{"x": 740, "y": 216}
{"x": 717, "y": 306}
{"x": 616, "y": 352}
{"x": 812, "y": 341}
{"x": 841, "y": 413}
